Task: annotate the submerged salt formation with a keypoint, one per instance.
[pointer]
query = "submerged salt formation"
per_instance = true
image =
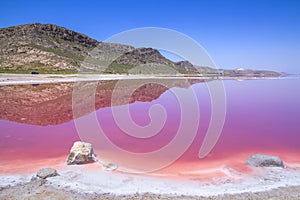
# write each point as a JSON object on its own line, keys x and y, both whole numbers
{"x": 260, "y": 160}
{"x": 109, "y": 166}
{"x": 81, "y": 153}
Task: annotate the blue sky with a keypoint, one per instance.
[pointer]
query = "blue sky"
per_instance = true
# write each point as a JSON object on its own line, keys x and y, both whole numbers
{"x": 259, "y": 34}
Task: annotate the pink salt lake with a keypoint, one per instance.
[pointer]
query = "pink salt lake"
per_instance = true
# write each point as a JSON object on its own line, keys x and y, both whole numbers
{"x": 262, "y": 116}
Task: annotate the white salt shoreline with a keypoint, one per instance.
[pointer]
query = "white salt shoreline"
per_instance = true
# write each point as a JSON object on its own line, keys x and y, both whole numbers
{"x": 84, "y": 180}
{"x": 21, "y": 79}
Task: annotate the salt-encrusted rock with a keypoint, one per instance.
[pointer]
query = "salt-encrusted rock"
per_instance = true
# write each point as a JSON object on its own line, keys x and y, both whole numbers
{"x": 46, "y": 172}
{"x": 81, "y": 153}
{"x": 260, "y": 160}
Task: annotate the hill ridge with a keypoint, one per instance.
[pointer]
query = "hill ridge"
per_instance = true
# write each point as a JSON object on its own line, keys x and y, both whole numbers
{"x": 49, "y": 48}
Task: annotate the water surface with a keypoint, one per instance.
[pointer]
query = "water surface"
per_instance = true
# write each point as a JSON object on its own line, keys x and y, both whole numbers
{"x": 37, "y": 127}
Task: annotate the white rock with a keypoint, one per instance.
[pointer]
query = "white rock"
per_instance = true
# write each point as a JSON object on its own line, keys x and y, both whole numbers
{"x": 81, "y": 153}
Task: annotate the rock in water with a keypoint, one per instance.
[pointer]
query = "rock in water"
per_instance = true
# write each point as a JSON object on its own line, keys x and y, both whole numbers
{"x": 260, "y": 160}
{"x": 46, "y": 172}
{"x": 81, "y": 153}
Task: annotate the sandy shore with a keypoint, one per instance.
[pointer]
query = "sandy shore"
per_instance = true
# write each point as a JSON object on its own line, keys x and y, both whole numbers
{"x": 84, "y": 182}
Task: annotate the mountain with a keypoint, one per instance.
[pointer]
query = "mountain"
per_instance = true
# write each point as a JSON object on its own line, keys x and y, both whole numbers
{"x": 48, "y": 48}
{"x": 51, "y": 48}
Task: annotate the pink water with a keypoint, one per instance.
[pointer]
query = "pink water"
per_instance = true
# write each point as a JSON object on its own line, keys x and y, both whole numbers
{"x": 263, "y": 116}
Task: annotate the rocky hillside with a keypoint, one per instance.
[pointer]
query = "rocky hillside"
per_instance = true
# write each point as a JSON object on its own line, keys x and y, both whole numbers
{"x": 51, "y": 48}
{"x": 48, "y": 48}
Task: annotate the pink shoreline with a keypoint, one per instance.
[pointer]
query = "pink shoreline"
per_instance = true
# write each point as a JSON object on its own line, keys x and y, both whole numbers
{"x": 208, "y": 178}
{"x": 210, "y": 170}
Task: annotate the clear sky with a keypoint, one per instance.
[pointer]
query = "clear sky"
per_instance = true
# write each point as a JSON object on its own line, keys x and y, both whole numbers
{"x": 258, "y": 34}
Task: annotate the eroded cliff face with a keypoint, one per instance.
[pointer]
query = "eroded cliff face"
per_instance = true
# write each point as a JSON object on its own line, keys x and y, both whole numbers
{"x": 51, "y": 104}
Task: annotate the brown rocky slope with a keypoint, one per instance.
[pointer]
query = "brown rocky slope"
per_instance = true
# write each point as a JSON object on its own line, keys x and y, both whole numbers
{"x": 51, "y": 48}
{"x": 48, "y": 48}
